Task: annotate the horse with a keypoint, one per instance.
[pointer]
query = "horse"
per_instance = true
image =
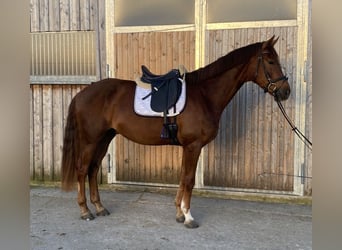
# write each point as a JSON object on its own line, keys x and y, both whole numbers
{"x": 105, "y": 108}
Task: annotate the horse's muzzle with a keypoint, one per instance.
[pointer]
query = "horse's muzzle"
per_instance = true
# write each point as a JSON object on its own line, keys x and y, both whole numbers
{"x": 282, "y": 94}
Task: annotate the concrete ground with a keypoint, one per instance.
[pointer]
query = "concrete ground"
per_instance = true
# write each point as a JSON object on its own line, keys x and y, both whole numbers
{"x": 145, "y": 220}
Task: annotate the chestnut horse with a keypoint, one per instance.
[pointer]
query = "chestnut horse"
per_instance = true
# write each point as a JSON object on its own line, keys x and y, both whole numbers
{"x": 105, "y": 109}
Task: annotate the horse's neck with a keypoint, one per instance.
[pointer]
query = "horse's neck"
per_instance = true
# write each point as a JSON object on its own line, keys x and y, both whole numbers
{"x": 220, "y": 90}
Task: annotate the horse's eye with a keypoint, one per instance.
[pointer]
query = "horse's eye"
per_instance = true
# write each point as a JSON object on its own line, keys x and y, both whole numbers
{"x": 270, "y": 62}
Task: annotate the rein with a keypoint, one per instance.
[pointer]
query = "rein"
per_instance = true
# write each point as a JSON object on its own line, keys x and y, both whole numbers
{"x": 301, "y": 136}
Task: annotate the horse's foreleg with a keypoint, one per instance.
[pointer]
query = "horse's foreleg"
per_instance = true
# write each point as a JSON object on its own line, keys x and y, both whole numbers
{"x": 179, "y": 213}
{"x": 187, "y": 182}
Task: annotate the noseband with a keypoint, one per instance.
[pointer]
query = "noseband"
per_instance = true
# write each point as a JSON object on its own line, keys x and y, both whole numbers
{"x": 271, "y": 86}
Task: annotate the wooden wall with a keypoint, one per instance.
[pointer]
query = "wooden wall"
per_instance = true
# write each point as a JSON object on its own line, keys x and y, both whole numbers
{"x": 254, "y": 146}
{"x": 63, "y": 15}
{"x": 49, "y": 109}
{"x": 50, "y": 96}
{"x": 72, "y": 15}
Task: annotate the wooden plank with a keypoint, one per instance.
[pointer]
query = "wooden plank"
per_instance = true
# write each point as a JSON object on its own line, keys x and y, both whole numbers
{"x": 151, "y": 62}
{"x": 282, "y": 52}
{"x": 241, "y": 95}
{"x": 84, "y": 16}
{"x": 34, "y": 16}
{"x": 155, "y": 28}
{"x": 54, "y": 17}
{"x": 47, "y": 132}
{"x": 124, "y": 59}
{"x": 44, "y": 15}
{"x": 130, "y": 56}
{"x": 99, "y": 39}
{"x": 265, "y": 118}
{"x": 37, "y": 133}
{"x": 98, "y": 24}
{"x": 253, "y": 24}
{"x": 217, "y": 144}
{"x": 229, "y": 121}
{"x": 247, "y": 109}
{"x": 158, "y": 156}
{"x": 75, "y": 15}
{"x": 187, "y": 49}
{"x": 224, "y": 130}
{"x": 255, "y": 167}
{"x": 57, "y": 129}
{"x": 97, "y": 13}
{"x": 64, "y": 15}
{"x": 210, "y": 148}
{"x": 118, "y": 160}
{"x": 278, "y": 130}
{"x": 136, "y": 162}
{"x": 66, "y": 102}
{"x": 145, "y": 151}
{"x": 32, "y": 162}
{"x": 125, "y": 155}
{"x": 165, "y": 152}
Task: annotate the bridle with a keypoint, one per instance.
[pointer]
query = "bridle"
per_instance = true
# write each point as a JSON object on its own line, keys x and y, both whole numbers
{"x": 271, "y": 87}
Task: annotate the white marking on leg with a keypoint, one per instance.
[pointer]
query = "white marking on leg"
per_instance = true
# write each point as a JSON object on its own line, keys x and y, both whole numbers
{"x": 186, "y": 212}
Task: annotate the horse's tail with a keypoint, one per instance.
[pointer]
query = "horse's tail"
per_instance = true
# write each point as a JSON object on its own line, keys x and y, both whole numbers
{"x": 70, "y": 150}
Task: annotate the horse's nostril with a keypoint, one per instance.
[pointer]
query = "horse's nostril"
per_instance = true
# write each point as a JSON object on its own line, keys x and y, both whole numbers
{"x": 288, "y": 93}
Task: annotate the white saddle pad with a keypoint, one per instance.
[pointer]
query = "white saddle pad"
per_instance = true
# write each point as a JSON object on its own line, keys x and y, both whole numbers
{"x": 143, "y": 107}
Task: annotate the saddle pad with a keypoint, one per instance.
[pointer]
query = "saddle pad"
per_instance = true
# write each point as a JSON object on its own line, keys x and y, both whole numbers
{"x": 143, "y": 107}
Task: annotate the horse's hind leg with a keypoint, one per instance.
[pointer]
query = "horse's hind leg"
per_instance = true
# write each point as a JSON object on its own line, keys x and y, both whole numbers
{"x": 81, "y": 177}
{"x": 94, "y": 192}
{"x": 93, "y": 170}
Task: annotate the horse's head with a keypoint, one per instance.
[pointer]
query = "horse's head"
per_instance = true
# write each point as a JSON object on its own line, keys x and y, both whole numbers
{"x": 268, "y": 74}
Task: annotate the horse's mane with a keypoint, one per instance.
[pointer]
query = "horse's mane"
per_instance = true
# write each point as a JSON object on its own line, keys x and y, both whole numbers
{"x": 232, "y": 59}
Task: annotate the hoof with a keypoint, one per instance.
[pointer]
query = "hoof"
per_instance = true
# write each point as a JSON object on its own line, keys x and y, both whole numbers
{"x": 180, "y": 219}
{"x": 191, "y": 224}
{"x": 88, "y": 216}
{"x": 104, "y": 212}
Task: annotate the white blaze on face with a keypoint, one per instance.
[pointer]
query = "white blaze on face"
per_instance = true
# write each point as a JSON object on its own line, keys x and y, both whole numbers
{"x": 186, "y": 212}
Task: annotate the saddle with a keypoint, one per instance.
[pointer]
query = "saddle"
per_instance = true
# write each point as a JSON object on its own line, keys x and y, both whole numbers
{"x": 165, "y": 89}
{"x": 165, "y": 92}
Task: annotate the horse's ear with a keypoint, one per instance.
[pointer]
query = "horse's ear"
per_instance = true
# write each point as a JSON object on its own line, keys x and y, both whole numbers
{"x": 274, "y": 41}
{"x": 270, "y": 42}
